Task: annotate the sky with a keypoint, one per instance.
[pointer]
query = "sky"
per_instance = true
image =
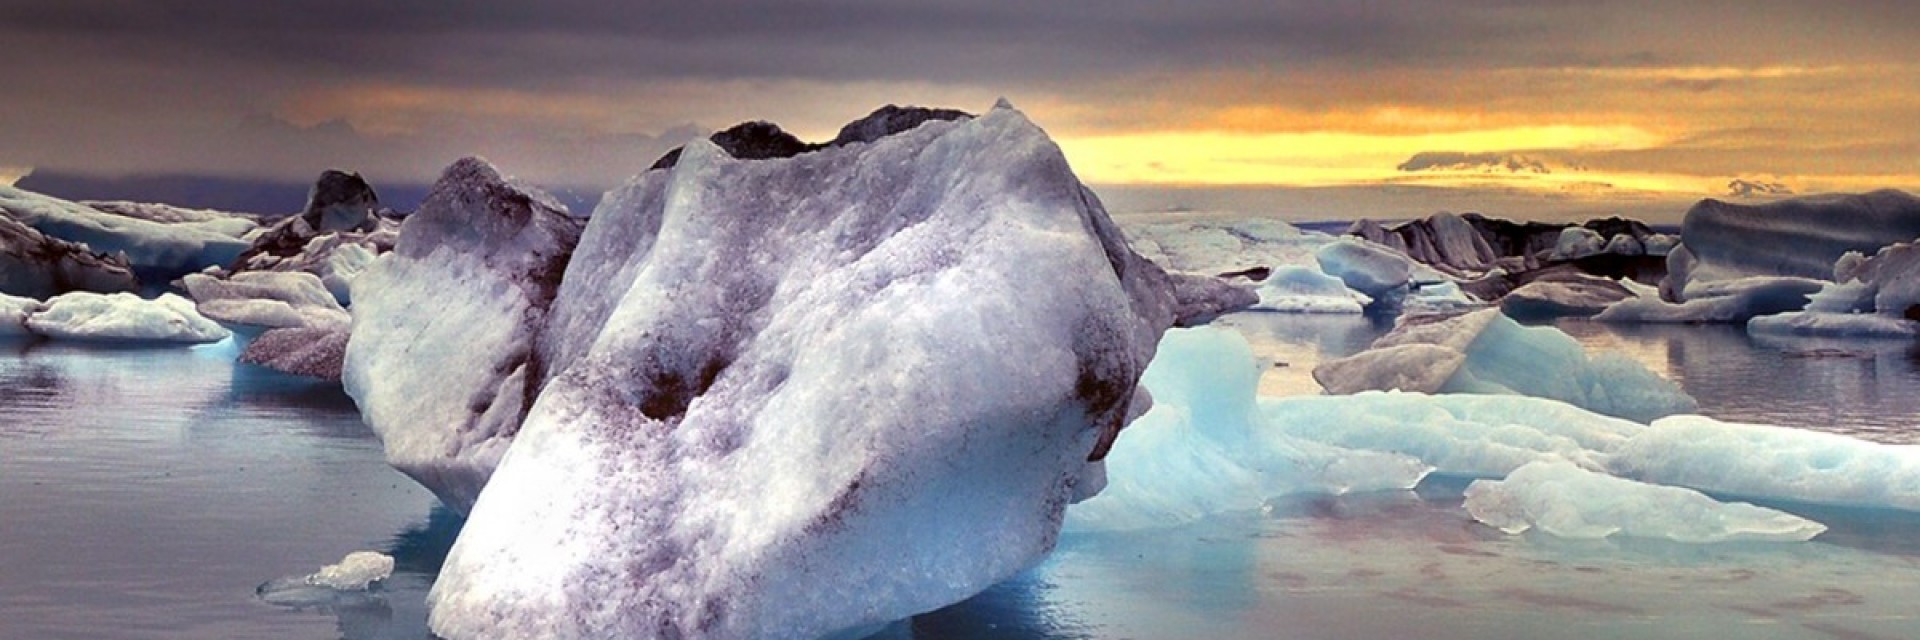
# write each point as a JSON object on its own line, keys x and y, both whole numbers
{"x": 1380, "y": 106}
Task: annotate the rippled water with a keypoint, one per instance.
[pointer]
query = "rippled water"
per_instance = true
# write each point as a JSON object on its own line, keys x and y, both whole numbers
{"x": 146, "y": 493}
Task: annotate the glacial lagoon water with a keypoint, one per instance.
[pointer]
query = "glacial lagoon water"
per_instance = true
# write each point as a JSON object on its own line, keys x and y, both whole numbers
{"x": 145, "y": 493}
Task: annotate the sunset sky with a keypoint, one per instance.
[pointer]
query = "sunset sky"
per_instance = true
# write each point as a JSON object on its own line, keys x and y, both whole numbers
{"x": 1592, "y": 102}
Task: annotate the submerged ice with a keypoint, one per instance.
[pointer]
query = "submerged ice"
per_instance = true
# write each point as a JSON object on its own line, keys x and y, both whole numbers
{"x": 1564, "y": 500}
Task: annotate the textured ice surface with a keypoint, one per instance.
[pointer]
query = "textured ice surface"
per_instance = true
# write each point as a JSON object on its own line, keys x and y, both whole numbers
{"x": 1732, "y": 301}
{"x": 356, "y": 571}
{"x": 219, "y": 222}
{"x": 441, "y": 360}
{"x": 1564, "y": 500}
{"x": 1487, "y": 352}
{"x": 272, "y": 300}
{"x": 1762, "y": 461}
{"x": 1205, "y": 447}
{"x": 123, "y": 317}
{"x": 788, "y": 396}
{"x": 1304, "y": 289}
{"x": 1380, "y": 273}
{"x": 1226, "y": 246}
{"x": 166, "y": 250}
{"x": 1456, "y": 434}
{"x": 1800, "y": 237}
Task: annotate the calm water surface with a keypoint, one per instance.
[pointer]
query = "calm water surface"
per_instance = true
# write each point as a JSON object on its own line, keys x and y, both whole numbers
{"x": 146, "y": 493}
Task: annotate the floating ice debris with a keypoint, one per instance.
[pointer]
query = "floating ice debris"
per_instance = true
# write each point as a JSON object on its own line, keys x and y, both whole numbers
{"x": 347, "y": 582}
{"x": 1561, "y": 499}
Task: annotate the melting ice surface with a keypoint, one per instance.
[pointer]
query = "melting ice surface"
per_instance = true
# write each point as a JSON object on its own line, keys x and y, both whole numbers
{"x": 147, "y": 493}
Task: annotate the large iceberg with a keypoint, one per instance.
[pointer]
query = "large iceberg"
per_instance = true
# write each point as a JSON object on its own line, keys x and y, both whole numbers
{"x": 442, "y": 360}
{"x": 1487, "y": 352}
{"x": 123, "y": 317}
{"x": 1206, "y": 448}
{"x": 770, "y": 398}
{"x": 1800, "y": 237}
{"x": 1563, "y": 500}
{"x": 154, "y": 249}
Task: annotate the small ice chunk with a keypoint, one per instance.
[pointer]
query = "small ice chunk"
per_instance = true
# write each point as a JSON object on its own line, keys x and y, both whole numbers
{"x": 345, "y": 584}
{"x": 355, "y": 572}
{"x": 1300, "y": 289}
{"x": 1561, "y": 499}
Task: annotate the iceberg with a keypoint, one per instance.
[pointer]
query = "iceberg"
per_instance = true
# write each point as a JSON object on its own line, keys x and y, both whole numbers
{"x": 770, "y": 398}
{"x": 123, "y": 317}
{"x": 1563, "y": 500}
{"x": 267, "y": 300}
{"x": 442, "y": 361}
{"x": 336, "y": 236}
{"x": 1730, "y": 301}
{"x": 1375, "y": 271}
{"x": 1299, "y": 289}
{"x": 1870, "y": 297}
{"x": 220, "y": 222}
{"x": 1205, "y": 447}
{"x": 1798, "y": 237}
{"x": 1486, "y": 352}
{"x": 1228, "y": 246}
{"x": 34, "y": 265}
{"x": 1462, "y": 435}
{"x": 1769, "y": 462}
{"x": 158, "y": 250}
{"x": 1576, "y": 243}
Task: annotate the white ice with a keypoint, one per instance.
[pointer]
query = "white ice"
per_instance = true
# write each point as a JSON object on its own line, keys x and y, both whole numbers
{"x": 345, "y": 583}
{"x": 123, "y": 317}
{"x": 1206, "y": 448}
{"x": 1780, "y": 463}
{"x": 1304, "y": 289}
{"x": 13, "y": 315}
{"x": 1561, "y": 499}
{"x": 1870, "y": 297}
{"x": 1488, "y": 353}
{"x": 267, "y": 299}
{"x": 1456, "y": 434}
